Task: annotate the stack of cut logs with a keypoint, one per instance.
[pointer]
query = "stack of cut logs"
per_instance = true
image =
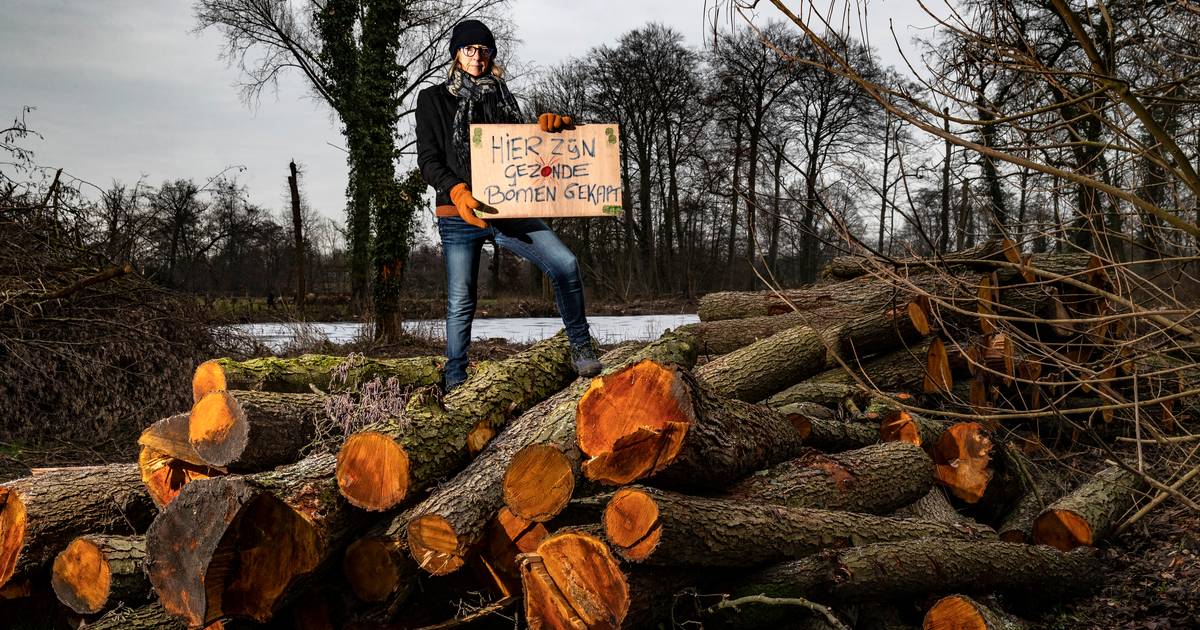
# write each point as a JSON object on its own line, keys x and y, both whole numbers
{"x": 821, "y": 457}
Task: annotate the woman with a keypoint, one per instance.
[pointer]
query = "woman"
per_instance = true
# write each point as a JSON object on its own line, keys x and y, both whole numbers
{"x": 474, "y": 92}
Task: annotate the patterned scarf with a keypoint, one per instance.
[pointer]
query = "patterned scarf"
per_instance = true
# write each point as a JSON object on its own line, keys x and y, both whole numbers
{"x": 475, "y": 105}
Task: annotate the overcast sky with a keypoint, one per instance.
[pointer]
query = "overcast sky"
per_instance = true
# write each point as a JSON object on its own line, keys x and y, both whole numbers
{"x": 126, "y": 89}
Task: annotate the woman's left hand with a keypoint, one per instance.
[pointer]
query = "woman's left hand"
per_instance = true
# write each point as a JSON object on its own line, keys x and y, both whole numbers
{"x": 551, "y": 123}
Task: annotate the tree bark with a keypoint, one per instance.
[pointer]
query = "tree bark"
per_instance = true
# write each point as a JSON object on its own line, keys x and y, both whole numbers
{"x": 297, "y": 232}
{"x": 934, "y": 506}
{"x": 666, "y": 528}
{"x": 875, "y": 480}
{"x": 152, "y": 616}
{"x": 916, "y": 568}
{"x": 1017, "y": 526}
{"x": 382, "y": 465}
{"x": 862, "y": 293}
{"x": 765, "y": 367}
{"x": 453, "y": 519}
{"x": 901, "y": 370}
{"x": 247, "y": 431}
{"x": 1086, "y": 515}
{"x": 659, "y": 423}
{"x": 258, "y": 540}
{"x": 41, "y": 514}
{"x": 839, "y": 396}
{"x": 301, "y": 374}
{"x": 95, "y": 571}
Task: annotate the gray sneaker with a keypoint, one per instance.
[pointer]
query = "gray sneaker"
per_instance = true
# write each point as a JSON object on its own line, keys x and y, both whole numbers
{"x": 585, "y": 361}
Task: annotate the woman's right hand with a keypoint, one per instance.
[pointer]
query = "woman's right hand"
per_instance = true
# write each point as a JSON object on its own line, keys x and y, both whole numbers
{"x": 467, "y": 204}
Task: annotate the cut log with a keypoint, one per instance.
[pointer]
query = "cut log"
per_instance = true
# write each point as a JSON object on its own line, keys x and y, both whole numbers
{"x": 300, "y": 375}
{"x": 862, "y": 293}
{"x": 260, "y": 538}
{"x": 573, "y": 581}
{"x": 768, "y": 366}
{"x": 901, "y": 370}
{"x": 1017, "y": 526}
{"x": 934, "y": 506}
{"x": 164, "y": 476}
{"x": 380, "y": 466}
{"x": 903, "y": 426}
{"x": 168, "y": 461}
{"x": 832, "y": 395}
{"x": 666, "y": 528}
{"x": 540, "y": 480}
{"x": 830, "y": 435}
{"x": 959, "y": 612}
{"x": 378, "y": 569}
{"x": 247, "y": 431}
{"x": 876, "y": 480}
{"x": 658, "y": 422}
{"x": 452, "y": 521}
{"x": 41, "y": 514}
{"x": 1086, "y": 515}
{"x": 938, "y": 376}
{"x": 726, "y": 335}
{"x": 95, "y": 571}
{"x": 916, "y": 568}
{"x": 962, "y": 457}
{"x": 508, "y": 537}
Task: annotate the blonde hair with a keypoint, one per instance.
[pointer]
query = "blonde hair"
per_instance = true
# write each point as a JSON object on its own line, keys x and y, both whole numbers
{"x": 497, "y": 69}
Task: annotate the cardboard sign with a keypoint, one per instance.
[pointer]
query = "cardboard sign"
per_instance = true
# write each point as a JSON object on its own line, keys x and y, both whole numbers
{"x": 524, "y": 172}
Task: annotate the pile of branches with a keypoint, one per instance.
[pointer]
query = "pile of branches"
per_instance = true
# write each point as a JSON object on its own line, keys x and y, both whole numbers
{"x": 840, "y": 455}
{"x": 90, "y": 352}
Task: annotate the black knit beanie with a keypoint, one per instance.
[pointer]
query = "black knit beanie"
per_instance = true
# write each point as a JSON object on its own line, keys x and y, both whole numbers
{"x": 471, "y": 32}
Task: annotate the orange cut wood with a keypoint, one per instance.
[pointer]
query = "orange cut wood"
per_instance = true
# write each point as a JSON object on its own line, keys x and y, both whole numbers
{"x": 540, "y": 480}
{"x": 573, "y": 581}
{"x": 962, "y": 458}
{"x": 938, "y": 378}
{"x": 95, "y": 572}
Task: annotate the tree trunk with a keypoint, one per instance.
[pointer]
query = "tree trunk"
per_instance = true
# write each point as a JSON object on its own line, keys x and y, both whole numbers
{"x": 250, "y": 431}
{"x": 875, "y": 479}
{"x": 379, "y": 570}
{"x": 934, "y": 506}
{"x": 901, "y": 370}
{"x": 665, "y": 528}
{"x": 297, "y": 233}
{"x": 382, "y": 465}
{"x": 864, "y": 293}
{"x": 831, "y": 435}
{"x": 453, "y": 519}
{"x": 916, "y": 568}
{"x": 660, "y": 423}
{"x": 540, "y": 480}
{"x": 95, "y": 571}
{"x": 839, "y": 396}
{"x": 257, "y": 541}
{"x": 41, "y": 514}
{"x": 1017, "y": 526}
{"x": 1086, "y": 515}
{"x": 765, "y": 367}
{"x": 303, "y": 373}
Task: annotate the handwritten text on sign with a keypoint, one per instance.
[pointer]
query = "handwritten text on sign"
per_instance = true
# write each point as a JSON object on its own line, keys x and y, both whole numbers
{"x": 524, "y": 172}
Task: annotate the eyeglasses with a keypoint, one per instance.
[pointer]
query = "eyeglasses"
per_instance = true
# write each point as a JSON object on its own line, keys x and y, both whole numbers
{"x": 471, "y": 51}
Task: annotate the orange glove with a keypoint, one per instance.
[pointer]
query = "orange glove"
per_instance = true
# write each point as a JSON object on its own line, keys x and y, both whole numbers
{"x": 553, "y": 122}
{"x": 467, "y": 205}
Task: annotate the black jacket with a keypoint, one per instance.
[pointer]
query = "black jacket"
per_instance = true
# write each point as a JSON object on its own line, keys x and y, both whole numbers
{"x": 436, "y": 157}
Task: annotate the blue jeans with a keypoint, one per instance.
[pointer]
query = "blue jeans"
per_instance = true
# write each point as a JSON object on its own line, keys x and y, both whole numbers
{"x": 530, "y": 239}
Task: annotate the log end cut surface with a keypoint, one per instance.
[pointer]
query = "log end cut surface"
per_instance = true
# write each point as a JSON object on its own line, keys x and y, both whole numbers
{"x": 82, "y": 577}
{"x": 235, "y": 561}
{"x": 631, "y": 523}
{"x": 573, "y": 581}
{"x": 538, "y": 482}
{"x": 1062, "y": 529}
{"x": 372, "y": 471}
{"x": 375, "y": 568}
{"x": 209, "y": 377}
{"x": 12, "y": 532}
{"x": 900, "y": 427}
{"x": 165, "y": 476}
{"x": 955, "y": 613}
{"x": 434, "y": 544}
{"x": 962, "y": 456}
{"x": 218, "y": 429}
{"x": 632, "y": 423}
